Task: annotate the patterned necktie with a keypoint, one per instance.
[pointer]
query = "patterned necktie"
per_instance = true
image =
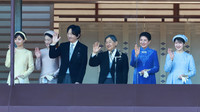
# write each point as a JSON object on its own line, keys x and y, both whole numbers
{"x": 71, "y": 51}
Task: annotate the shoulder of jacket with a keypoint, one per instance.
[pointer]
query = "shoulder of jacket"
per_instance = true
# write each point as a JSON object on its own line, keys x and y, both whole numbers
{"x": 188, "y": 54}
{"x": 83, "y": 45}
{"x": 102, "y": 52}
{"x": 27, "y": 51}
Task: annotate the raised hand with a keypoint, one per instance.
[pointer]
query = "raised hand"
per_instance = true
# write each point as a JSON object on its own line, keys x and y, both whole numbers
{"x": 96, "y": 47}
{"x": 171, "y": 53}
{"x": 37, "y": 52}
{"x": 137, "y": 50}
{"x": 55, "y": 38}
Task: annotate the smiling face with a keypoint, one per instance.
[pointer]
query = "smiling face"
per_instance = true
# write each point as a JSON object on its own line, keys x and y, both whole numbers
{"x": 110, "y": 44}
{"x": 71, "y": 37}
{"x": 179, "y": 45}
{"x": 47, "y": 41}
{"x": 144, "y": 42}
{"x": 19, "y": 41}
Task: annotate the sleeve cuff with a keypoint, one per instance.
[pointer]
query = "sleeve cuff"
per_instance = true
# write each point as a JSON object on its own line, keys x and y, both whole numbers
{"x": 52, "y": 44}
{"x": 93, "y": 55}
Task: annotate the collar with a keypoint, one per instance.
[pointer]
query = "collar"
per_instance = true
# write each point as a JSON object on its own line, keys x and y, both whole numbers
{"x": 74, "y": 43}
{"x": 144, "y": 49}
{"x": 114, "y": 52}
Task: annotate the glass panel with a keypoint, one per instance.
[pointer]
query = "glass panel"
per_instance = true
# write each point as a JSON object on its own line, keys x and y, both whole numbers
{"x": 36, "y": 16}
{"x": 36, "y": 8}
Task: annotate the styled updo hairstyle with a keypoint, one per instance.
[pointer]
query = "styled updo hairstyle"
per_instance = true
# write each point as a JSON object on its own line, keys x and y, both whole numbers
{"x": 146, "y": 34}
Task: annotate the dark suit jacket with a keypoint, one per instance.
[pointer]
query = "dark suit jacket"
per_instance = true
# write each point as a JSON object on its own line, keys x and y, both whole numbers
{"x": 77, "y": 64}
{"x": 122, "y": 67}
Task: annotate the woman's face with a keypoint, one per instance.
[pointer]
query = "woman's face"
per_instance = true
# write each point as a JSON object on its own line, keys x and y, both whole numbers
{"x": 110, "y": 44}
{"x": 178, "y": 45}
{"x": 144, "y": 42}
{"x": 19, "y": 41}
{"x": 47, "y": 41}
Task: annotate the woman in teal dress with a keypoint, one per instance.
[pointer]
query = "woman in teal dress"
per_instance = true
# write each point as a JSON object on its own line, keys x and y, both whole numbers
{"x": 179, "y": 64}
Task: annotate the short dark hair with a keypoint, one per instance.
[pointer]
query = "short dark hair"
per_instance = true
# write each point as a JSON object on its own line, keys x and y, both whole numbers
{"x": 146, "y": 34}
{"x": 112, "y": 37}
{"x": 21, "y": 35}
{"x": 76, "y": 30}
{"x": 180, "y": 40}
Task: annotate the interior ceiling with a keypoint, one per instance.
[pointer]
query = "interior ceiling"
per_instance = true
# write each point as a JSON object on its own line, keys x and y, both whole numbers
{"x": 111, "y": 1}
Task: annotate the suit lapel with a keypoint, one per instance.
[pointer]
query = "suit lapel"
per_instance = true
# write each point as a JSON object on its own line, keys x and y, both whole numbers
{"x": 67, "y": 50}
{"x": 107, "y": 59}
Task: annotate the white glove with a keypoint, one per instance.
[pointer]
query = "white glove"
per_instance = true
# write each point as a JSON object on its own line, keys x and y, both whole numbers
{"x": 184, "y": 79}
{"x": 145, "y": 75}
{"x": 49, "y": 77}
{"x": 21, "y": 80}
{"x": 46, "y": 78}
{"x": 140, "y": 73}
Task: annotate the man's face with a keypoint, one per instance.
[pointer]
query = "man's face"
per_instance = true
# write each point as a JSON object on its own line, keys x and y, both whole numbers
{"x": 71, "y": 37}
{"x": 110, "y": 44}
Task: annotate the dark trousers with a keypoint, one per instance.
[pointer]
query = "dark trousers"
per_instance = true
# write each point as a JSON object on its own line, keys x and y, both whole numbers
{"x": 67, "y": 79}
{"x": 108, "y": 81}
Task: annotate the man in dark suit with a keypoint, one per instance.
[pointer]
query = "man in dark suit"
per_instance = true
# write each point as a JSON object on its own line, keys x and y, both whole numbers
{"x": 107, "y": 61}
{"x": 73, "y": 56}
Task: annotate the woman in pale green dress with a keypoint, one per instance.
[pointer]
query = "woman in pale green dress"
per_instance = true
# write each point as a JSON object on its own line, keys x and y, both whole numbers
{"x": 23, "y": 65}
